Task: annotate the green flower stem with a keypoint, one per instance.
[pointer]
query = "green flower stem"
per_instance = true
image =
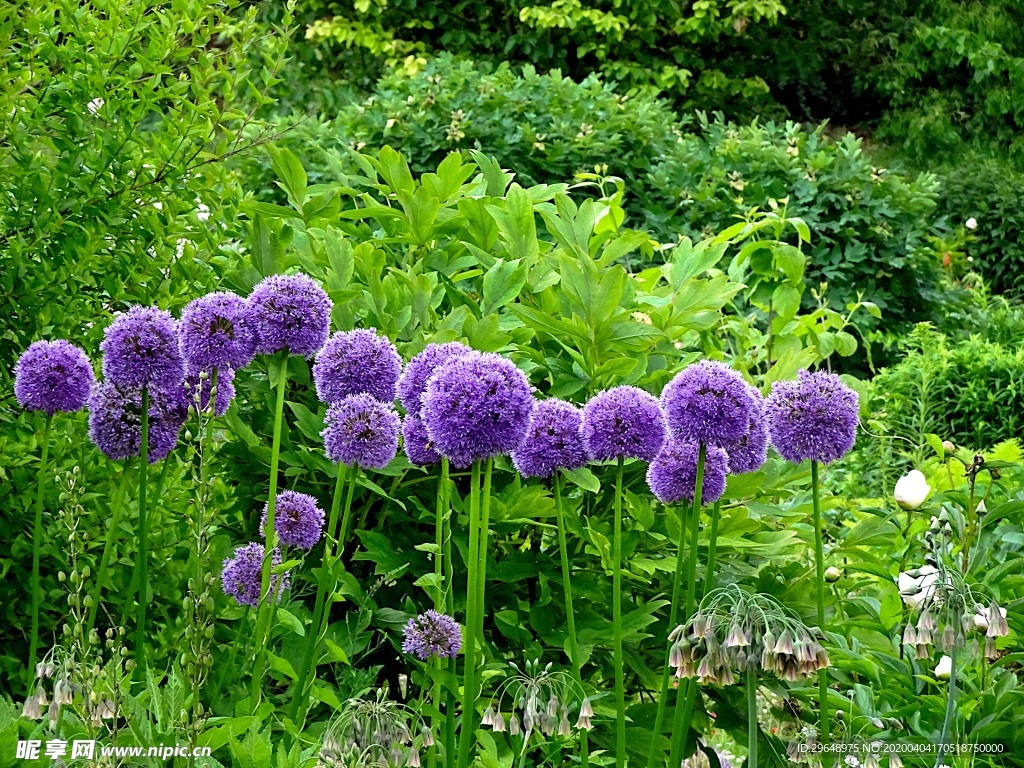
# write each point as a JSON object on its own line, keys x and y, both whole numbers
{"x": 686, "y": 694}
{"x": 133, "y": 584}
{"x": 439, "y": 600}
{"x": 485, "y": 533}
{"x": 117, "y": 506}
{"x": 466, "y": 728}
{"x": 239, "y": 640}
{"x": 819, "y": 568}
{"x": 620, "y": 687}
{"x": 449, "y": 605}
{"x": 263, "y": 607}
{"x": 37, "y": 543}
{"x": 709, "y": 578}
{"x": 307, "y": 669}
{"x": 947, "y": 721}
{"x": 751, "y": 718}
{"x": 140, "y": 620}
{"x": 574, "y": 646}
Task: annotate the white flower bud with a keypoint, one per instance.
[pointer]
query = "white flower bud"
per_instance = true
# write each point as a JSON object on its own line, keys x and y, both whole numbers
{"x": 911, "y": 490}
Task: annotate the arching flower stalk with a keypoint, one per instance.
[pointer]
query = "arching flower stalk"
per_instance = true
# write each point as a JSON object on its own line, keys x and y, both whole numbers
{"x": 374, "y": 733}
{"x": 538, "y": 700}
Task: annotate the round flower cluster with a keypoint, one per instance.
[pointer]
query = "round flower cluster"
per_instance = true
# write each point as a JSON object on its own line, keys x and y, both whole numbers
{"x": 216, "y": 332}
{"x": 672, "y": 476}
{"x": 52, "y": 376}
{"x": 554, "y": 440}
{"x": 360, "y": 430}
{"x": 708, "y": 403}
{"x": 242, "y": 575}
{"x": 115, "y": 421}
{"x": 734, "y": 631}
{"x": 432, "y": 634}
{"x": 623, "y": 423}
{"x": 814, "y": 417}
{"x": 289, "y": 312}
{"x": 141, "y": 349}
{"x": 748, "y": 452}
{"x": 357, "y": 362}
{"x": 298, "y": 520}
{"x": 413, "y": 382}
{"x": 539, "y": 699}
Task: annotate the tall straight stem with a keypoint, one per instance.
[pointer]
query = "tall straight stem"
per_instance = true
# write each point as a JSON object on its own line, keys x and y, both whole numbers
{"x": 140, "y": 621}
{"x": 466, "y": 728}
{"x": 440, "y": 516}
{"x": 449, "y": 605}
{"x": 947, "y": 721}
{"x": 709, "y": 578}
{"x": 118, "y": 506}
{"x": 751, "y": 717}
{"x": 620, "y": 682}
{"x": 37, "y": 543}
{"x": 686, "y": 695}
{"x": 819, "y": 568}
{"x": 570, "y": 614}
{"x": 307, "y": 668}
{"x": 263, "y": 608}
{"x": 485, "y": 534}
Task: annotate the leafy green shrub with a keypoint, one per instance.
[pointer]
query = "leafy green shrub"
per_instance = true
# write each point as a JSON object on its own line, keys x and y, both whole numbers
{"x": 867, "y": 223}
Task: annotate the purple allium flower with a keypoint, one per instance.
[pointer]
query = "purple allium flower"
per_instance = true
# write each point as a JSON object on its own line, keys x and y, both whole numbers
{"x": 813, "y": 417}
{"x": 554, "y": 440}
{"x": 360, "y": 430}
{"x": 477, "y": 406}
{"x": 140, "y": 349}
{"x": 115, "y": 420}
{"x": 298, "y": 520}
{"x": 52, "y": 376}
{"x": 289, "y": 312}
{"x": 417, "y": 442}
{"x": 414, "y": 378}
{"x": 242, "y": 575}
{"x": 432, "y": 634}
{"x": 707, "y": 402}
{"x": 216, "y": 333}
{"x": 623, "y": 422}
{"x": 357, "y": 361}
{"x": 749, "y": 452}
{"x": 672, "y": 476}
{"x": 201, "y": 382}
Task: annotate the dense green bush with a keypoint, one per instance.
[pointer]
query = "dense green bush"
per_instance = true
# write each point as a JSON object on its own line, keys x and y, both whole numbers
{"x": 867, "y": 223}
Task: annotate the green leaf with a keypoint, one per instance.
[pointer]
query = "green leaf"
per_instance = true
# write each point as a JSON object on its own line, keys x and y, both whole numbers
{"x": 516, "y": 224}
{"x": 786, "y": 301}
{"x": 502, "y": 284}
{"x": 583, "y": 478}
{"x": 290, "y": 621}
{"x": 291, "y": 175}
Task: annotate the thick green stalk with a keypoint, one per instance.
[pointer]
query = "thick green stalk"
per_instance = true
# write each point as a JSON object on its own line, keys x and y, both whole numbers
{"x": 117, "y": 506}
{"x": 570, "y": 614}
{"x": 819, "y": 568}
{"x": 449, "y": 606}
{"x": 346, "y": 518}
{"x": 677, "y": 582}
{"x": 686, "y": 695}
{"x": 307, "y": 668}
{"x": 133, "y": 584}
{"x": 466, "y": 727}
{"x": 263, "y": 607}
{"x": 947, "y": 721}
{"x": 439, "y": 602}
{"x": 485, "y": 534}
{"x": 751, "y": 718}
{"x": 620, "y": 682}
{"x": 709, "y": 578}
{"x": 140, "y": 621}
{"x": 37, "y": 543}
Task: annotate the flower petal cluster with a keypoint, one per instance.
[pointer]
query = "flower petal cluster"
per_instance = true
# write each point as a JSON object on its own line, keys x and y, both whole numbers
{"x": 413, "y": 381}
{"x": 708, "y": 403}
{"x": 52, "y": 376}
{"x": 216, "y": 332}
{"x": 115, "y": 420}
{"x": 201, "y": 383}
{"x": 289, "y": 312}
{"x": 298, "y": 519}
{"x": 140, "y": 349}
{"x": 416, "y": 442}
{"x": 814, "y": 417}
{"x": 911, "y": 490}
{"x": 672, "y": 476}
{"x": 361, "y": 430}
{"x": 354, "y": 362}
{"x": 749, "y": 452}
{"x": 554, "y": 440}
{"x": 623, "y": 422}
{"x": 431, "y": 635}
{"x": 242, "y": 575}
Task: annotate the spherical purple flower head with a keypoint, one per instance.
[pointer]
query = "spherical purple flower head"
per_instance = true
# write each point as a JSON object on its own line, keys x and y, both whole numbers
{"x": 813, "y": 417}
{"x": 672, "y": 476}
{"x": 414, "y": 378}
{"x": 298, "y": 520}
{"x": 52, "y": 376}
{"x": 289, "y": 312}
{"x": 554, "y": 440}
{"x": 749, "y": 452}
{"x": 242, "y": 575}
{"x": 216, "y": 333}
{"x": 140, "y": 349}
{"x": 432, "y": 634}
{"x": 477, "y": 406}
{"x": 115, "y": 420}
{"x": 225, "y": 390}
{"x": 353, "y": 362}
{"x": 623, "y": 422}
{"x": 360, "y": 430}
{"x": 416, "y": 441}
{"x": 709, "y": 403}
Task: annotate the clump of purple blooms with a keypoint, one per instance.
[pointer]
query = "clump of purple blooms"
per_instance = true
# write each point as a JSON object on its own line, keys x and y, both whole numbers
{"x": 215, "y": 332}
{"x": 554, "y": 440}
{"x": 477, "y": 406}
{"x": 52, "y": 376}
{"x": 289, "y": 312}
{"x": 360, "y": 430}
{"x": 749, "y": 452}
{"x": 672, "y": 476}
{"x": 115, "y": 420}
{"x": 623, "y": 422}
{"x": 814, "y": 417}
{"x": 708, "y": 403}
{"x": 241, "y": 576}
{"x": 141, "y": 349}
{"x": 357, "y": 362}
{"x": 432, "y": 634}
{"x": 298, "y": 520}
{"x": 413, "y": 381}
{"x": 416, "y": 442}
